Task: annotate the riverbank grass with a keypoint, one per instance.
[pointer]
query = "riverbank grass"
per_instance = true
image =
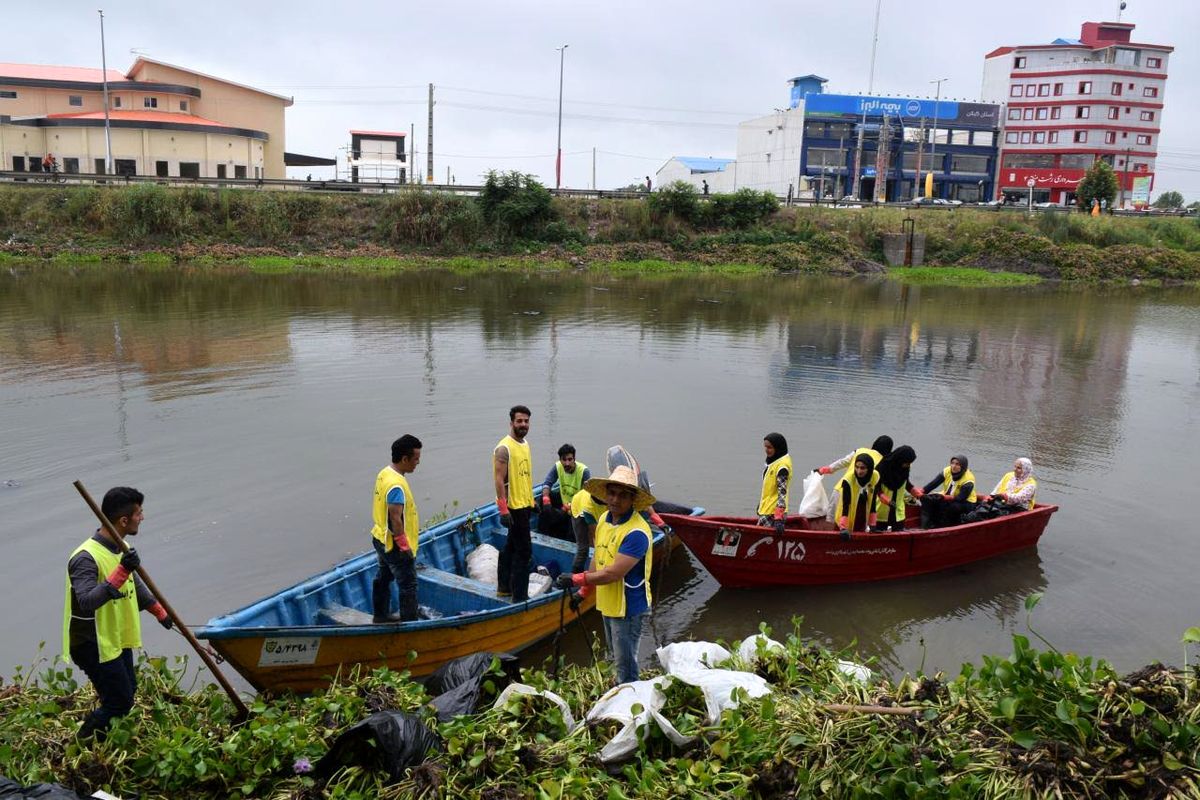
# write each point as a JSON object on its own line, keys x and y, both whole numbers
{"x": 960, "y": 276}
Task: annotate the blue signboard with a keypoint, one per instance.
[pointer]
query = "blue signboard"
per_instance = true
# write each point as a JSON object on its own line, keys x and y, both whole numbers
{"x": 879, "y": 106}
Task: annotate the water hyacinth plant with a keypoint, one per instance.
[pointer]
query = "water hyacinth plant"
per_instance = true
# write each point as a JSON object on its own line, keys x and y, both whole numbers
{"x": 1034, "y": 723}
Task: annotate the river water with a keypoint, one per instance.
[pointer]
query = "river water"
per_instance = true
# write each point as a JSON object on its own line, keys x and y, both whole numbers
{"x": 255, "y": 410}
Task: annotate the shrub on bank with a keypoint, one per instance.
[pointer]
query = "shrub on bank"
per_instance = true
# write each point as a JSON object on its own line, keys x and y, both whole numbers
{"x": 742, "y": 209}
{"x": 516, "y": 206}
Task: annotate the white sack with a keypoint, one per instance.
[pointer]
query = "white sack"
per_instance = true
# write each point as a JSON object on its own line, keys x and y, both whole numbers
{"x": 617, "y": 704}
{"x": 538, "y": 583}
{"x": 522, "y": 688}
{"x": 857, "y": 671}
{"x": 718, "y": 685}
{"x": 482, "y": 564}
{"x": 815, "y": 502}
{"x": 690, "y": 656}
{"x": 748, "y": 649}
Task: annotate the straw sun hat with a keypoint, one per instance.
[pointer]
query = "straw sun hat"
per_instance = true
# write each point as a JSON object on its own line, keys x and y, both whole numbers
{"x": 625, "y": 478}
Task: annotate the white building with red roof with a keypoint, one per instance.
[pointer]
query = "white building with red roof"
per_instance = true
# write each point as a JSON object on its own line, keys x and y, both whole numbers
{"x": 1073, "y": 101}
{"x": 164, "y": 120}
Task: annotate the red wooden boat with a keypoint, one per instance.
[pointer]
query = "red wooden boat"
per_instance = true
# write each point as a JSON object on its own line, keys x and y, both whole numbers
{"x": 740, "y": 554}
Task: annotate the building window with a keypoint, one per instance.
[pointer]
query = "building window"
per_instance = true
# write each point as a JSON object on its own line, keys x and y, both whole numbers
{"x": 183, "y": 105}
{"x": 1150, "y": 91}
{"x": 1043, "y": 113}
{"x": 1143, "y": 139}
{"x": 1014, "y": 113}
{"x": 814, "y": 129}
{"x": 239, "y": 171}
{"x": 1031, "y": 90}
{"x": 973, "y": 164}
{"x": 1077, "y": 160}
{"x": 1113, "y": 112}
{"x": 834, "y": 130}
{"x": 1110, "y": 137}
{"x": 71, "y": 166}
{"x": 1058, "y": 89}
{"x": 1015, "y": 91}
{"x": 1010, "y": 137}
{"x": 150, "y": 102}
{"x": 1029, "y": 113}
{"x": 1019, "y": 62}
{"x": 1028, "y": 161}
{"x": 1056, "y": 112}
{"x": 983, "y": 139}
{"x": 1085, "y": 87}
{"x": 116, "y": 102}
{"x": 1039, "y": 137}
{"x": 960, "y": 137}
{"x": 1116, "y": 89}
{"x": 1026, "y": 137}
{"x": 1053, "y": 138}
{"x": 1043, "y": 90}
{"x": 1080, "y": 137}
{"x": 1083, "y": 112}
{"x": 189, "y": 169}
{"x": 125, "y": 166}
{"x": 74, "y": 99}
{"x": 7, "y": 95}
{"x": 1152, "y": 63}
{"x": 1147, "y": 116}
{"x": 825, "y": 157}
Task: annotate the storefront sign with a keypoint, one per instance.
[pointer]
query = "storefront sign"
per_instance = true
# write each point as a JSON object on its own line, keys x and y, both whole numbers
{"x": 981, "y": 115}
{"x": 1141, "y": 191}
{"x": 1042, "y": 178}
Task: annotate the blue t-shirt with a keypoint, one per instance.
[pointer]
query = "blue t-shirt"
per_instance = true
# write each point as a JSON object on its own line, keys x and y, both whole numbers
{"x": 395, "y": 496}
{"x": 635, "y": 544}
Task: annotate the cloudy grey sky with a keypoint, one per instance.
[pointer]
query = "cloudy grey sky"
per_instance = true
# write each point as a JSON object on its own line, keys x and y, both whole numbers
{"x": 644, "y": 80}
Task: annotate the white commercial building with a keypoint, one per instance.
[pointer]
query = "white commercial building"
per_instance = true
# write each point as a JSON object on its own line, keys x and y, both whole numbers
{"x": 719, "y": 173}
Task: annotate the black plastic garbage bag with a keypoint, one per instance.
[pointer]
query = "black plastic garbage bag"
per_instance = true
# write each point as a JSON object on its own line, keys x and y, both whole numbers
{"x": 458, "y": 684}
{"x": 400, "y": 741}
{"x": 11, "y": 790}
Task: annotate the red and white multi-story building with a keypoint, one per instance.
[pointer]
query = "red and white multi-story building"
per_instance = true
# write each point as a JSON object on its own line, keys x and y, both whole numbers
{"x": 1073, "y": 101}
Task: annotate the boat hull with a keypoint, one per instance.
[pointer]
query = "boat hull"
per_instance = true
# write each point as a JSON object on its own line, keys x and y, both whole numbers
{"x": 740, "y": 554}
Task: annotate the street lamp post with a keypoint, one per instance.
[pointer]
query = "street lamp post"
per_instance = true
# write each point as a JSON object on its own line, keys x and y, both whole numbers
{"x": 562, "y": 51}
{"x": 933, "y": 139}
{"x": 104, "y": 80}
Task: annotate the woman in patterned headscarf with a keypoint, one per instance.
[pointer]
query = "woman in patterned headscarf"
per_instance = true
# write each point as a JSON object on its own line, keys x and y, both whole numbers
{"x": 1017, "y": 490}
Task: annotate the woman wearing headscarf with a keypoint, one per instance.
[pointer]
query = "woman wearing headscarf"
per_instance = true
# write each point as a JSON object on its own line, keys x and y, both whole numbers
{"x": 894, "y": 486}
{"x": 1017, "y": 490}
{"x": 776, "y": 480}
{"x": 857, "y": 496}
{"x": 948, "y": 496}
{"x": 878, "y": 449}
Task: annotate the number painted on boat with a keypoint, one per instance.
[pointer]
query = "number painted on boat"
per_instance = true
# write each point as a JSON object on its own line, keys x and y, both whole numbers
{"x": 726, "y": 543}
{"x": 285, "y": 651}
{"x": 790, "y": 551}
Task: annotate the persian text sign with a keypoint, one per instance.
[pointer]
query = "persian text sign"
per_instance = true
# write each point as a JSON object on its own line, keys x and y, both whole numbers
{"x": 284, "y": 651}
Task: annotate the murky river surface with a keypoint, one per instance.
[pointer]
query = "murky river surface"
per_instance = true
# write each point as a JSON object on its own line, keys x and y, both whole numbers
{"x": 254, "y": 412}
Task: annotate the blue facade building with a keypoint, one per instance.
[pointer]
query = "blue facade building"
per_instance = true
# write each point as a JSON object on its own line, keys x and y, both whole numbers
{"x": 903, "y": 139}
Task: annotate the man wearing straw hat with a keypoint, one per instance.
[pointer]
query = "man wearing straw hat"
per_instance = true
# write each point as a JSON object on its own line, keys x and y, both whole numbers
{"x": 622, "y": 564}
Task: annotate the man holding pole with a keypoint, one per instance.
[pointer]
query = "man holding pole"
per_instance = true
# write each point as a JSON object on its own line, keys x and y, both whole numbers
{"x": 100, "y": 615}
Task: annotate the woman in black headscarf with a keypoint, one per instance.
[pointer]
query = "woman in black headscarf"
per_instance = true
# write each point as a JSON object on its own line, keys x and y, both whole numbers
{"x": 857, "y": 495}
{"x": 776, "y": 480}
{"x": 894, "y": 487}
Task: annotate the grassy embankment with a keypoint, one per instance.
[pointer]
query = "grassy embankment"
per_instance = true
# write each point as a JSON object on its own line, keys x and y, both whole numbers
{"x": 1037, "y": 724}
{"x": 290, "y": 231}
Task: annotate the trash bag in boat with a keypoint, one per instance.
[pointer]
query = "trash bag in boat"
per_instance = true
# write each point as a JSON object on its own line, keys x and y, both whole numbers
{"x": 816, "y": 501}
{"x": 11, "y": 790}
{"x": 391, "y": 741}
{"x": 458, "y": 686}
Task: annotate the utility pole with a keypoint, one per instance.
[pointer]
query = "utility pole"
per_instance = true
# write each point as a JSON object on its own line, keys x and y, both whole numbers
{"x": 858, "y": 158}
{"x": 841, "y": 167}
{"x": 593, "y": 169}
{"x": 104, "y": 78}
{"x": 1124, "y": 179}
{"x": 920, "y": 153}
{"x": 562, "y": 53}
{"x": 412, "y": 149}
{"x": 447, "y": 174}
{"x": 934, "y": 167}
{"x": 881, "y": 160}
{"x": 429, "y": 143}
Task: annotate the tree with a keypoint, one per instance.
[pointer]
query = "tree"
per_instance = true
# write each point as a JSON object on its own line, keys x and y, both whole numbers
{"x": 1100, "y": 183}
{"x": 515, "y": 205}
{"x": 1168, "y": 200}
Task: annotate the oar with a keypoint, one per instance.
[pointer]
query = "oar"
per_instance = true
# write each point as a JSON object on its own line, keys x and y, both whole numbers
{"x": 243, "y": 712}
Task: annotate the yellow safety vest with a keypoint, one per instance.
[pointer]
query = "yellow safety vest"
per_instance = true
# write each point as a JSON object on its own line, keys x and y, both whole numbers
{"x": 899, "y": 499}
{"x": 584, "y": 502}
{"x": 520, "y": 472}
{"x": 569, "y": 483}
{"x": 610, "y": 597}
{"x": 385, "y": 481}
{"x": 949, "y": 484}
{"x": 117, "y": 623}
{"x": 1016, "y": 487}
{"x": 770, "y": 492}
{"x": 852, "y": 489}
{"x": 848, "y": 475}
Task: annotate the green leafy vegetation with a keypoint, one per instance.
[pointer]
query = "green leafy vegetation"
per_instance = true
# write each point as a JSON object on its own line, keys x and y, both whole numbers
{"x": 1034, "y": 723}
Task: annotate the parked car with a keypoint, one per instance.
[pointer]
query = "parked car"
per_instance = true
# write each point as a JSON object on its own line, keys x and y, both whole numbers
{"x": 934, "y": 202}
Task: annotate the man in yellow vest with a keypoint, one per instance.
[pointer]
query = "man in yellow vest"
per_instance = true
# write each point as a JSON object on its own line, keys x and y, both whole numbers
{"x": 100, "y": 615}
{"x": 564, "y": 480}
{"x": 512, "y": 476}
{"x": 622, "y": 564}
{"x": 394, "y": 530}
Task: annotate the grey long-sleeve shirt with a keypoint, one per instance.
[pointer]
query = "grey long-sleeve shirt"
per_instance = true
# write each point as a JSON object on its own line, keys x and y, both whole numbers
{"x": 90, "y": 590}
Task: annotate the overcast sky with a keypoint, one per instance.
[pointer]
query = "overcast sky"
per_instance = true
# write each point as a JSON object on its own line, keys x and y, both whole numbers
{"x": 644, "y": 79}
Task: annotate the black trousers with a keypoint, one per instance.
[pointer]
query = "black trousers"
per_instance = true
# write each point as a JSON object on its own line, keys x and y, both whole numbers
{"x": 583, "y": 544}
{"x": 399, "y": 566}
{"x": 939, "y": 513}
{"x": 115, "y": 682}
{"x": 512, "y": 567}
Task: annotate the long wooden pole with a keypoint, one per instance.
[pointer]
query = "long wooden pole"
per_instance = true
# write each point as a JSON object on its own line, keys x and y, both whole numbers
{"x": 243, "y": 712}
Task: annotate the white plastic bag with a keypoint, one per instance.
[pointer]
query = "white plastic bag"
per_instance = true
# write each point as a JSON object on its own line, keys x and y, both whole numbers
{"x": 748, "y": 649}
{"x": 856, "y": 671}
{"x": 689, "y": 656}
{"x": 618, "y": 704}
{"x": 482, "y": 562}
{"x": 815, "y": 502}
{"x": 522, "y": 688}
{"x": 718, "y": 686}
{"x": 538, "y": 584}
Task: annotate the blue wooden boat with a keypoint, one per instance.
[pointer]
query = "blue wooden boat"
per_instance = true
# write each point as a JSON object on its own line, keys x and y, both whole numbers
{"x": 301, "y": 636}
